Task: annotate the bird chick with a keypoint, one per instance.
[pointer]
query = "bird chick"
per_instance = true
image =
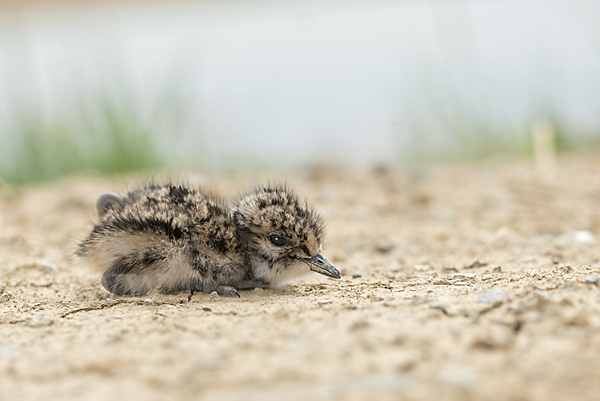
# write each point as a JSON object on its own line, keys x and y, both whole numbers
{"x": 174, "y": 238}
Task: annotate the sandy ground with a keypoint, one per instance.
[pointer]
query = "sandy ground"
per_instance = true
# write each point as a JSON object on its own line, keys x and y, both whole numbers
{"x": 458, "y": 283}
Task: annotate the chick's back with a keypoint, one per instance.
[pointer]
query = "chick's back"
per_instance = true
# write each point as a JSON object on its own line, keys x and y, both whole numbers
{"x": 164, "y": 236}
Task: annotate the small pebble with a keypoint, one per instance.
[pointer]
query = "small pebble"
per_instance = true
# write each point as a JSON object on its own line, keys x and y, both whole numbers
{"x": 8, "y": 350}
{"x": 325, "y": 301}
{"x": 465, "y": 275}
{"x": 591, "y": 279}
{"x": 148, "y": 300}
{"x": 356, "y": 275}
{"x": 577, "y": 237}
{"x": 385, "y": 248}
{"x": 584, "y": 237}
{"x": 497, "y": 269}
{"x": 39, "y": 321}
{"x": 492, "y": 295}
{"x": 206, "y": 309}
{"x": 475, "y": 264}
{"x": 48, "y": 266}
{"x": 365, "y": 296}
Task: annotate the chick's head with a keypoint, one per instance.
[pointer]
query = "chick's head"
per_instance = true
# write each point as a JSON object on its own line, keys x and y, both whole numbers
{"x": 284, "y": 235}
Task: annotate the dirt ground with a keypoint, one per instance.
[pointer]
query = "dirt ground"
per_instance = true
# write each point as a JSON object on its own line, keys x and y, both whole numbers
{"x": 459, "y": 283}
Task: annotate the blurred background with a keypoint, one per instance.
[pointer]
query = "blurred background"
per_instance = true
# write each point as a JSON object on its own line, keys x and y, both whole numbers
{"x": 109, "y": 87}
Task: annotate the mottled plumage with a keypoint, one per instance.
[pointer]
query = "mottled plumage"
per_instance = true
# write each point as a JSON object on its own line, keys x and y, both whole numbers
{"x": 175, "y": 238}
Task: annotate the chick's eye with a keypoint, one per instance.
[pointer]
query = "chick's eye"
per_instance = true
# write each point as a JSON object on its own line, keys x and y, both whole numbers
{"x": 277, "y": 240}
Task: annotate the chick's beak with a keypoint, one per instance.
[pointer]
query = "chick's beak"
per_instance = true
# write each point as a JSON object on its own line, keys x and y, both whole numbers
{"x": 321, "y": 265}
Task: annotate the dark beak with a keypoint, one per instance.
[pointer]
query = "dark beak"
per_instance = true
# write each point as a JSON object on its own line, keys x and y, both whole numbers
{"x": 321, "y": 265}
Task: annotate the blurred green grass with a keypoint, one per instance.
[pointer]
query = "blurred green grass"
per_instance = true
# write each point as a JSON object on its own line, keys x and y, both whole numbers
{"x": 42, "y": 152}
{"x": 107, "y": 134}
{"x": 100, "y": 131}
{"x": 457, "y": 131}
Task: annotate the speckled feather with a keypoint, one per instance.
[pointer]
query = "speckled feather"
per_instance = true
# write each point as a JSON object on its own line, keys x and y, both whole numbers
{"x": 176, "y": 238}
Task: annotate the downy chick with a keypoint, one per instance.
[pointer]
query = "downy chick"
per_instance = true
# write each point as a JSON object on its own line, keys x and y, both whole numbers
{"x": 175, "y": 238}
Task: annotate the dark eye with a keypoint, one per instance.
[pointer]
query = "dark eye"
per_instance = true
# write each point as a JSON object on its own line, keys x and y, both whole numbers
{"x": 277, "y": 240}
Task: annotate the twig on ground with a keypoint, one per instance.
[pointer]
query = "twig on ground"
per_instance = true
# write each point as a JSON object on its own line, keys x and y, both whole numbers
{"x": 96, "y": 307}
